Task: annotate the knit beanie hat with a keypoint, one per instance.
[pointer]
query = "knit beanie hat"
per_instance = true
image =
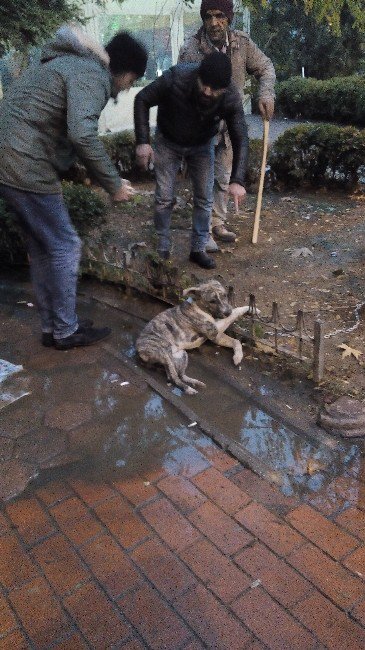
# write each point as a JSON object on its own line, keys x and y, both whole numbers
{"x": 215, "y": 70}
{"x": 225, "y": 6}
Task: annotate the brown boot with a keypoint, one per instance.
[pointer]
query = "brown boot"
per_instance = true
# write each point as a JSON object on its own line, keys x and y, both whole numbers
{"x": 221, "y": 232}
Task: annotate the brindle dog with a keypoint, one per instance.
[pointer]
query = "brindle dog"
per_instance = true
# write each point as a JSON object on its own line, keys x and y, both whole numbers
{"x": 205, "y": 314}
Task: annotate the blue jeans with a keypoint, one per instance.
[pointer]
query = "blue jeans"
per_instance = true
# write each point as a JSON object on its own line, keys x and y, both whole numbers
{"x": 54, "y": 250}
{"x": 200, "y": 163}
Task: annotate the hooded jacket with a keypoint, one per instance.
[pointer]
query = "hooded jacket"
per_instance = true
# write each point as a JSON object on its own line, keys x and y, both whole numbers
{"x": 50, "y": 115}
{"x": 183, "y": 122}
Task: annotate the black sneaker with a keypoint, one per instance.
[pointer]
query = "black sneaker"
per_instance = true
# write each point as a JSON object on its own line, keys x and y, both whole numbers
{"x": 202, "y": 259}
{"x": 47, "y": 337}
{"x": 82, "y": 337}
{"x": 164, "y": 255}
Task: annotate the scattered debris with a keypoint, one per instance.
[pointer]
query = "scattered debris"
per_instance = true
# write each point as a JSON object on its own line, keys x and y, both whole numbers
{"x": 348, "y": 352}
{"x": 255, "y": 583}
{"x": 7, "y": 369}
{"x": 300, "y": 252}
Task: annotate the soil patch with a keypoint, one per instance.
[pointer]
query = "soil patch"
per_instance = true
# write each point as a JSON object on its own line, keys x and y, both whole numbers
{"x": 309, "y": 256}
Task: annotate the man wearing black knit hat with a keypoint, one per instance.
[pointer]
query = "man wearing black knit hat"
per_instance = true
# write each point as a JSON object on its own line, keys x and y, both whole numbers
{"x": 217, "y": 35}
{"x": 191, "y": 100}
{"x": 50, "y": 115}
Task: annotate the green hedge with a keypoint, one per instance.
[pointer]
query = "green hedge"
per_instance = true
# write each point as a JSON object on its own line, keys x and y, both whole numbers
{"x": 87, "y": 210}
{"x": 121, "y": 149}
{"x": 324, "y": 154}
{"x": 340, "y": 99}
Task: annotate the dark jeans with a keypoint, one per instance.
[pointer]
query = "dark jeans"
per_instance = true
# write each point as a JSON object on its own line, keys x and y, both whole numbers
{"x": 54, "y": 250}
{"x": 200, "y": 163}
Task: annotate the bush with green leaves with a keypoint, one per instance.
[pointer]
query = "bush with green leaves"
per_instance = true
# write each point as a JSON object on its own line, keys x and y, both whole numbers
{"x": 319, "y": 155}
{"x": 86, "y": 206}
{"x": 121, "y": 147}
{"x": 11, "y": 242}
{"x": 340, "y": 99}
{"x": 87, "y": 210}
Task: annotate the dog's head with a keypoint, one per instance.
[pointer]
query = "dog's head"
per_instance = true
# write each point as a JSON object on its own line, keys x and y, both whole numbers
{"x": 211, "y": 297}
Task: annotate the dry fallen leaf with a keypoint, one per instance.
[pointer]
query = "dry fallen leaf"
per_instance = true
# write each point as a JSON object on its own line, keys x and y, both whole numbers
{"x": 301, "y": 252}
{"x": 348, "y": 352}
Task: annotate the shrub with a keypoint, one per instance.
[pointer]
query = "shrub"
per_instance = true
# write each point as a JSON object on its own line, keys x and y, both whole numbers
{"x": 87, "y": 210}
{"x": 254, "y": 163}
{"x": 12, "y": 249}
{"x": 121, "y": 149}
{"x": 322, "y": 154}
{"x": 340, "y": 99}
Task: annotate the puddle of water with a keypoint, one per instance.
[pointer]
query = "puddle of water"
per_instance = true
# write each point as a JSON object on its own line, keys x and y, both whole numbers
{"x": 297, "y": 463}
{"x": 152, "y": 435}
{"x": 131, "y": 430}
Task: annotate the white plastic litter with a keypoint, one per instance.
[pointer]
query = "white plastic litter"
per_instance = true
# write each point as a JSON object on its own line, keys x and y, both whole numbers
{"x": 7, "y": 369}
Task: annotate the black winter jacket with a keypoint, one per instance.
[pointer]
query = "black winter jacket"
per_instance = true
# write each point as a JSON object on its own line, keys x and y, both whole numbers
{"x": 183, "y": 122}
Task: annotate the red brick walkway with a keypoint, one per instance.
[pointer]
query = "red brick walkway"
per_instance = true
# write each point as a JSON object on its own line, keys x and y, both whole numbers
{"x": 218, "y": 560}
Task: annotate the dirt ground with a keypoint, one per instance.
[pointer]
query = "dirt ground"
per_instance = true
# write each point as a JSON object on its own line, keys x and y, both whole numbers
{"x": 309, "y": 256}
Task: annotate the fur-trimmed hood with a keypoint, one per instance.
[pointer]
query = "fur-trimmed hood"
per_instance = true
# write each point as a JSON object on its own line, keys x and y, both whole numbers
{"x": 72, "y": 39}
{"x": 65, "y": 93}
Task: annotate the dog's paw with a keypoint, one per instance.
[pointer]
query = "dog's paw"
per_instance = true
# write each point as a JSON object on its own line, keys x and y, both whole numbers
{"x": 237, "y": 357}
{"x": 190, "y": 391}
{"x": 198, "y": 383}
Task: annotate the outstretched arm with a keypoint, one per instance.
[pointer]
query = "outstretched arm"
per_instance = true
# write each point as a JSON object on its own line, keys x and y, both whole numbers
{"x": 150, "y": 96}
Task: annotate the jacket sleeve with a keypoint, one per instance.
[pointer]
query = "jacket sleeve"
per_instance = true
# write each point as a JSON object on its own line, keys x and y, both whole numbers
{"x": 189, "y": 52}
{"x": 237, "y": 129}
{"x": 150, "y": 96}
{"x": 258, "y": 64}
{"x": 87, "y": 95}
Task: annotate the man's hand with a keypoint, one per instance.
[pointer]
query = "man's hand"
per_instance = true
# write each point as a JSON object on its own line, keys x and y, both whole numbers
{"x": 238, "y": 194}
{"x": 144, "y": 155}
{"x": 125, "y": 192}
{"x": 266, "y": 108}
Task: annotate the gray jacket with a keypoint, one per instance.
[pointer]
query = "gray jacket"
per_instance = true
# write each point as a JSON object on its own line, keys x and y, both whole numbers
{"x": 50, "y": 115}
{"x": 245, "y": 57}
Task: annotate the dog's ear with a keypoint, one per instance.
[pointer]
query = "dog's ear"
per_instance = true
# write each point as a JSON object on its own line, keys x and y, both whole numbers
{"x": 191, "y": 291}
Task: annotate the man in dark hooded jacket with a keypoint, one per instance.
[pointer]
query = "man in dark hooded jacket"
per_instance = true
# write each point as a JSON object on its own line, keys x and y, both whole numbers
{"x": 191, "y": 101}
{"x": 49, "y": 116}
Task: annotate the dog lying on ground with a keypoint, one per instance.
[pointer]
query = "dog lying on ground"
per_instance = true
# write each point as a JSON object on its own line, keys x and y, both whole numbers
{"x": 206, "y": 314}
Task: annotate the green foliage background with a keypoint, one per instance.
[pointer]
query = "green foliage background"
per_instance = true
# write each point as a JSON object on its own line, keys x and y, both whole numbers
{"x": 87, "y": 210}
{"x": 323, "y": 155}
{"x": 340, "y": 99}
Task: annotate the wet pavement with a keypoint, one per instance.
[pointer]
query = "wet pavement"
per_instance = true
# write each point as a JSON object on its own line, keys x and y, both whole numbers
{"x": 124, "y": 525}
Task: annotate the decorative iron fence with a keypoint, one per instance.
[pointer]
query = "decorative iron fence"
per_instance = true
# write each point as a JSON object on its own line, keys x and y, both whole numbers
{"x": 278, "y": 332}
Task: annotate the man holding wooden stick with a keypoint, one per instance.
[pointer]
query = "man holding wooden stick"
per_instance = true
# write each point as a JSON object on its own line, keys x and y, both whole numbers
{"x": 246, "y": 58}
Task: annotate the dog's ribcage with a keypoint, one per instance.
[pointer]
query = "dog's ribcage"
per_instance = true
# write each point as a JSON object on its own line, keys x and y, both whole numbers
{"x": 181, "y": 327}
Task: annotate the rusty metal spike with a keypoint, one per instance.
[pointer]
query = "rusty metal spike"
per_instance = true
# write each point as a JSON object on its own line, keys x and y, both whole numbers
{"x": 275, "y": 318}
{"x": 252, "y": 305}
{"x": 299, "y": 327}
{"x": 231, "y": 296}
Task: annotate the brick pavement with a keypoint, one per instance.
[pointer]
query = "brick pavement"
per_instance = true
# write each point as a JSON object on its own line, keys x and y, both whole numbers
{"x": 220, "y": 559}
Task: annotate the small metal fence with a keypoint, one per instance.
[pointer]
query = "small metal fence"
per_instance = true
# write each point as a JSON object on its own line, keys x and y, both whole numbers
{"x": 277, "y": 331}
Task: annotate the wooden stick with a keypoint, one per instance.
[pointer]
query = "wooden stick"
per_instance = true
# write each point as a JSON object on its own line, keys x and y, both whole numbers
{"x": 261, "y": 186}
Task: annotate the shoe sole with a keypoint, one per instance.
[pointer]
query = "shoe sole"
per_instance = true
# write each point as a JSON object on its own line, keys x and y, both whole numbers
{"x": 82, "y": 345}
{"x": 86, "y": 322}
